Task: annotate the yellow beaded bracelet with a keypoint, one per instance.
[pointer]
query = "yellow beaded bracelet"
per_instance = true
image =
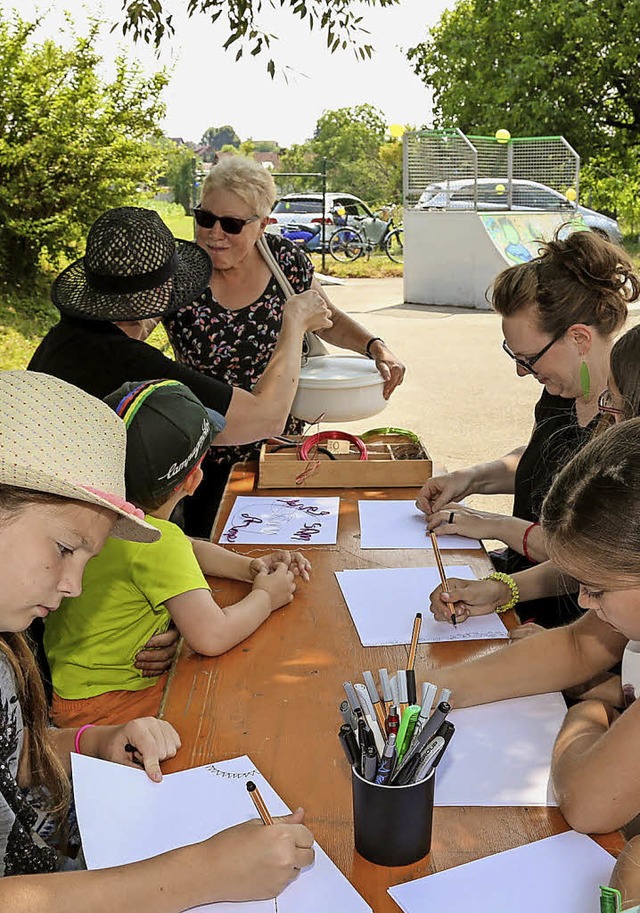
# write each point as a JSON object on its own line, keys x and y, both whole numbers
{"x": 513, "y": 586}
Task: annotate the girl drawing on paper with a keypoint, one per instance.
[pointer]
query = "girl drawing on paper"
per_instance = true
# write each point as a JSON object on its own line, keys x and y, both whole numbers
{"x": 591, "y": 525}
{"x": 62, "y": 456}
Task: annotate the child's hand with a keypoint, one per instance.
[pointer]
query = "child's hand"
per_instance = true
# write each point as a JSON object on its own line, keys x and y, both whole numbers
{"x": 525, "y": 630}
{"x": 295, "y": 561}
{"x": 276, "y": 854}
{"x": 144, "y": 743}
{"x": 279, "y": 585}
{"x": 469, "y": 597}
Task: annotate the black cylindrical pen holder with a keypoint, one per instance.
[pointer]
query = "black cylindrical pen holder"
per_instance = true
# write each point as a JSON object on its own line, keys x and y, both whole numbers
{"x": 392, "y": 824}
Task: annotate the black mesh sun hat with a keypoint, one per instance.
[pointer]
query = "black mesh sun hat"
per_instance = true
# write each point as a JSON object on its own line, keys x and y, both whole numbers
{"x": 133, "y": 269}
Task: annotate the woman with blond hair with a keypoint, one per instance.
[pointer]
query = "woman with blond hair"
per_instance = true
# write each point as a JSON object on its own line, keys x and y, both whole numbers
{"x": 232, "y": 328}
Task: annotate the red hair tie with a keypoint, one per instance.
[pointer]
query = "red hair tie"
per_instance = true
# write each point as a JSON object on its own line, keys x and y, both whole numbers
{"x": 525, "y": 550}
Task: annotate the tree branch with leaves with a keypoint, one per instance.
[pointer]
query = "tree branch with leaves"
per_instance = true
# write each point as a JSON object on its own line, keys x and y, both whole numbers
{"x": 340, "y": 20}
{"x": 71, "y": 144}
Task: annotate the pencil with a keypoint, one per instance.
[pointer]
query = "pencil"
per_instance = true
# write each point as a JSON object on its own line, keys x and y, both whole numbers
{"x": 417, "y": 624}
{"x": 443, "y": 576}
{"x": 258, "y": 801}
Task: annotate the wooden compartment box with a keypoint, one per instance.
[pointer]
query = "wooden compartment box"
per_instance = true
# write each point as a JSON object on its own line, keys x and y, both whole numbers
{"x": 393, "y": 462}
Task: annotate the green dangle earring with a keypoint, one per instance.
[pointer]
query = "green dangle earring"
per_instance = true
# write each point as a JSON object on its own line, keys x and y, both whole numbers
{"x": 585, "y": 379}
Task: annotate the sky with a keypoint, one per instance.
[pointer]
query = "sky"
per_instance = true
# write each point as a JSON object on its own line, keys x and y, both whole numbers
{"x": 208, "y": 88}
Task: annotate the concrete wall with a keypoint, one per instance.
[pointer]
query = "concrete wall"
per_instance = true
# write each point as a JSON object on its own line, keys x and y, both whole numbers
{"x": 448, "y": 259}
{"x": 451, "y": 258}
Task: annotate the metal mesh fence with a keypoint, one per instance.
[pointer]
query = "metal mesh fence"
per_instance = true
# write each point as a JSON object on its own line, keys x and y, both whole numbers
{"x": 434, "y": 157}
{"x": 444, "y": 169}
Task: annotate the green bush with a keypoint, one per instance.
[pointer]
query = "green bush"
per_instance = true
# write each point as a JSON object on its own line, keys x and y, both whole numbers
{"x": 71, "y": 144}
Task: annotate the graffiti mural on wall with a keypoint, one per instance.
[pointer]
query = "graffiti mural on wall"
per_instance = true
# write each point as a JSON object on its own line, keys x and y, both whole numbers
{"x": 517, "y": 235}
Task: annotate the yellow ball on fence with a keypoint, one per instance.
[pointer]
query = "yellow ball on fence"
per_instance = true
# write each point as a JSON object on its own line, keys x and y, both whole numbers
{"x": 571, "y": 194}
{"x": 500, "y": 188}
{"x": 503, "y": 136}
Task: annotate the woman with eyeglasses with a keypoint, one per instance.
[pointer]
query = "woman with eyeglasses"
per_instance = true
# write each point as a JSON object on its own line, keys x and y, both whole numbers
{"x": 231, "y": 329}
{"x": 619, "y": 402}
{"x": 559, "y": 313}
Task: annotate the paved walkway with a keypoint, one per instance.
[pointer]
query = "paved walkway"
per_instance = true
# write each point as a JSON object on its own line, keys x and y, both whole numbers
{"x": 461, "y": 392}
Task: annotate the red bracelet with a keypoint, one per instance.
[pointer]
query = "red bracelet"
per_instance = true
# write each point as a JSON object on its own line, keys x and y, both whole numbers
{"x": 314, "y": 439}
{"x": 76, "y": 741}
{"x": 525, "y": 551}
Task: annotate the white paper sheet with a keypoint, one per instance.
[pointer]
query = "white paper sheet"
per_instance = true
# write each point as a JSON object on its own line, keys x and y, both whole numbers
{"x": 500, "y": 753}
{"x": 559, "y": 874}
{"x": 399, "y": 524}
{"x": 282, "y": 521}
{"x": 383, "y": 603}
{"x": 124, "y": 817}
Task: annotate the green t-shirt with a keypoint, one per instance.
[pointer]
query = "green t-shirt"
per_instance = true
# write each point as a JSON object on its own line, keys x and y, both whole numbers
{"x": 92, "y": 640}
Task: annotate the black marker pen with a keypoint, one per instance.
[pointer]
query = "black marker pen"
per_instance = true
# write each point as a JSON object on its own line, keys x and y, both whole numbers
{"x": 446, "y": 731}
{"x": 349, "y": 744}
{"x": 370, "y": 764}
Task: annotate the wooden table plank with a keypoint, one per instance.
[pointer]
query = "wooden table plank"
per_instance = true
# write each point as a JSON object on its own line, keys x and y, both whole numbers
{"x": 275, "y": 698}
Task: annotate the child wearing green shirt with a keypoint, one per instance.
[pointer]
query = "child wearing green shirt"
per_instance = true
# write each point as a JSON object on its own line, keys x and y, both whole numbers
{"x": 132, "y": 591}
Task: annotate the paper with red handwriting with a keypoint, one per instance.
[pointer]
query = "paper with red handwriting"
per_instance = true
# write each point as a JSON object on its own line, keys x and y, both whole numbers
{"x": 282, "y": 521}
{"x": 124, "y": 817}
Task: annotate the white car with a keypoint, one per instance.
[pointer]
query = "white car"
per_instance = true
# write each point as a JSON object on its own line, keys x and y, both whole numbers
{"x": 526, "y": 196}
{"x": 306, "y": 209}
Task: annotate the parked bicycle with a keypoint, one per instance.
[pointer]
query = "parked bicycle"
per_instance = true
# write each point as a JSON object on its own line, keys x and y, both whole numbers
{"x": 365, "y": 234}
{"x": 306, "y": 236}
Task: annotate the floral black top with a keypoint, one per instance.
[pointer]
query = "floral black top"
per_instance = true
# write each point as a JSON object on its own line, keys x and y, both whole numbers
{"x": 235, "y": 346}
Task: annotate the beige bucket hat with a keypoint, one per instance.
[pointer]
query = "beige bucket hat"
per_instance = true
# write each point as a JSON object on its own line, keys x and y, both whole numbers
{"x": 58, "y": 439}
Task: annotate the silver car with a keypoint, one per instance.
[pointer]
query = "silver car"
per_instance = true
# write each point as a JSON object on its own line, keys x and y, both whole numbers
{"x": 526, "y": 196}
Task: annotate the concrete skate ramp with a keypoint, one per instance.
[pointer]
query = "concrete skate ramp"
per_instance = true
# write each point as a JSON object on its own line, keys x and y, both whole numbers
{"x": 451, "y": 258}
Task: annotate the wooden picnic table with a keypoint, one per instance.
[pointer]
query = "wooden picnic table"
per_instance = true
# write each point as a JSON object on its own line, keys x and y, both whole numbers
{"x": 275, "y": 697}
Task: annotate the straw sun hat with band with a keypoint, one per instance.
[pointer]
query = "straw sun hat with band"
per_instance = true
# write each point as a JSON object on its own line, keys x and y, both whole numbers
{"x": 57, "y": 439}
{"x": 133, "y": 269}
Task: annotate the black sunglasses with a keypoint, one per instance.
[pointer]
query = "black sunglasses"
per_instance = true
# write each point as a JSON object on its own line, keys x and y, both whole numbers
{"x": 528, "y": 363}
{"x": 231, "y": 225}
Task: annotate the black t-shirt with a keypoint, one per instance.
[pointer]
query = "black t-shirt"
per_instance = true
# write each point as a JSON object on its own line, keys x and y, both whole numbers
{"x": 99, "y": 357}
{"x": 556, "y": 438}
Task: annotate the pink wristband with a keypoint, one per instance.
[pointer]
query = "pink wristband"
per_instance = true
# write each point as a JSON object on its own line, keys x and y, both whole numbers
{"x": 76, "y": 742}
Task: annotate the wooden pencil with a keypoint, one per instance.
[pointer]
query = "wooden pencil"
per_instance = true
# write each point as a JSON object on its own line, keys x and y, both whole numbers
{"x": 417, "y": 624}
{"x": 443, "y": 576}
{"x": 259, "y": 803}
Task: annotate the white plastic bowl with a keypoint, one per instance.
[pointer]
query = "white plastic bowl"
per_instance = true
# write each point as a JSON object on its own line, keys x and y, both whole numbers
{"x": 344, "y": 387}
